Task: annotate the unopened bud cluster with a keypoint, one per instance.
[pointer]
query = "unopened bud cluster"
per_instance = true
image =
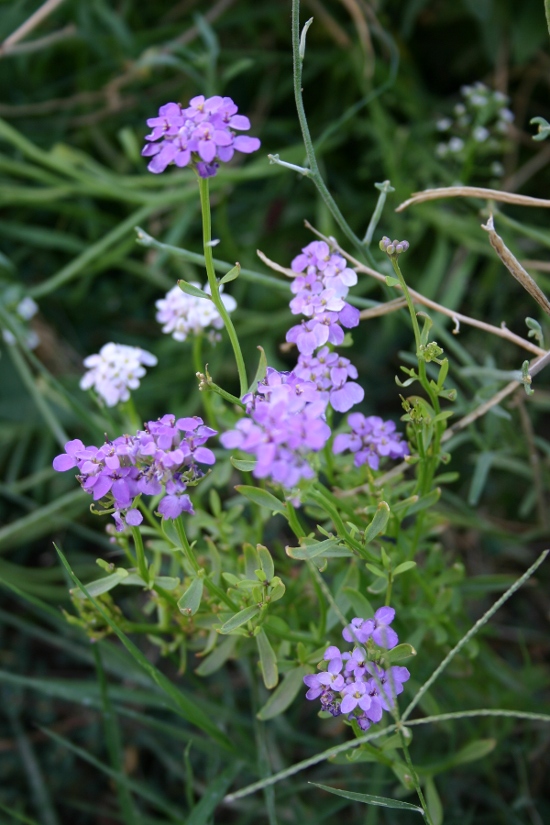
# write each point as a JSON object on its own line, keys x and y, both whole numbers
{"x": 393, "y": 247}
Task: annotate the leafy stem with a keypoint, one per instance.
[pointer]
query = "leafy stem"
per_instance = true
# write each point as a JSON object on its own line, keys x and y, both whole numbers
{"x": 213, "y": 283}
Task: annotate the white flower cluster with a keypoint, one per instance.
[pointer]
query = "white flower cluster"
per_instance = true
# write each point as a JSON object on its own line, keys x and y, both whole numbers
{"x": 182, "y": 314}
{"x": 24, "y": 311}
{"x": 116, "y": 370}
{"x": 483, "y": 117}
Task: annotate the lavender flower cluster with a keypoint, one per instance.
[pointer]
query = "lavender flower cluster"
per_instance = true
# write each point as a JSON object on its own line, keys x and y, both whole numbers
{"x": 353, "y": 683}
{"x": 370, "y": 440}
{"x": 285, "y": 424}
{"x": 200, "y": 135}
{"x": 162, "y": 458}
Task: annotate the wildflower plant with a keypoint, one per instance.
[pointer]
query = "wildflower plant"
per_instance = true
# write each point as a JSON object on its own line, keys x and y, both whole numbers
{"x": 284, "y": 531}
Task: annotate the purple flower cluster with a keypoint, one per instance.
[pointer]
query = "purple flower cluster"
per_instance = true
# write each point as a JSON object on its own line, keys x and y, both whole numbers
{"x": 371, "y": 439}
{"x": 330, "y": 373}
{"x": 322, "y": 283}
{"x": 285, "y": 424}
{"x": 162, "y": 458}
{"x": 353, "y": 683}
{"x": 200, "y": 135}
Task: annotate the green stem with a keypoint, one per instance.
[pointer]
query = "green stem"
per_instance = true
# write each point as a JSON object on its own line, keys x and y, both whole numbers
{"x": 140, "y": 554}
{"x": 414, "y": 775}
{"x": 314, "y": 174}
{"x": 213, "y": 282}
{"x": 190, "y": 556}
{"x": 198, "y": 365}
{"x": 384, "y": 188}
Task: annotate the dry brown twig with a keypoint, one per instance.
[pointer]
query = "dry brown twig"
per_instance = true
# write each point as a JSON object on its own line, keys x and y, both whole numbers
{"x": 472, "y": 192}
{"x": 30, "y": 23}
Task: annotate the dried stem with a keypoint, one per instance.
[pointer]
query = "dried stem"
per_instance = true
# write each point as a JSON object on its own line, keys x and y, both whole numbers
{"x": 514, "y": 267}
{"x": 534, "y": 459}
{"x": 472, "y": 192}
{"x": 30, "y": 23}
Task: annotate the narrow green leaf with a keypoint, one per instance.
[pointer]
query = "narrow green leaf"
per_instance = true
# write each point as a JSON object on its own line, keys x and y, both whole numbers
{"x": 378, "y": 586}
{"x": 232, "y": 274}
{"x": 261, "y": 497}
{"x": 479, "y": 478}
{"x": 193, "y": 290}
{"x": 392, "y": 281}
{"x": 212, "y": 796}
{"x": 311, "y": 548}
{"x": 100, "y": 586}
{"x": 266, "y": 562}
{"x": 379, "y": 522}
{"x": 240, "y": 618}
{"x": 403, "y": 567}
{"x": 219, "y": 656}
{"x": 377, "y": 571}
{"x": 260, "y": 372}
{"x": 186, "y": 707}
{"x": 472, "y": 751}
{"x": 285, "y": 694}
{"x": 190, "y": 602}
{"x": 361, "y": 605}
{"x": 16, "y": 816}
{"x": 368, "y": 799}
{"x": 425, "y": 501}
{"x": 433, "y": 802}
{"x": 399, "y": 653}
{"x": 268, "y": 660}
{"x": 246, "y": 465}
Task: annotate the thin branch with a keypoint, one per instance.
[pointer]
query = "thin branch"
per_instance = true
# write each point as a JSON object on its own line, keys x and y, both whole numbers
{"x": 31, "y": 23}
{"x": 41, "y": 42}
{"x": 272, "y": 265}
{"x": 534, "y": 459}
{"x": 472, "y": 192}
{"x": 514, "y": 267}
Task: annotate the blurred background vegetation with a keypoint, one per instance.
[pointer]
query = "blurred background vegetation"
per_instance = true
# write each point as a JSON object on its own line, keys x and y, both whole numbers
{"x": 378, "y": 76}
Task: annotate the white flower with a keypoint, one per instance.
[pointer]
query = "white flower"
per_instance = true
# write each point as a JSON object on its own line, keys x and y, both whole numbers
{"x": 443, "y": 124}
{"x": 506, "y": 115}
{"x": 456, "y": 144}
{"x": 182, "y": 314}
{"x": 116, "y": 370}
{"x": 26, "y": 308}
{"x": 480, "y": 134}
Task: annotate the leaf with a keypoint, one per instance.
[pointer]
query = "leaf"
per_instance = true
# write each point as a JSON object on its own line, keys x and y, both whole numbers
{"x": 212, "y": 796}
{"x": 186, "y": 707}
{"x": 311, "y": 548}
{"x": 433, "y": 802}
{"x": 266, "y": 562}
{"x": 246, "y": 465}
{"x": 232, "y": 274}
{"x": 215, "y": 660}
{"x": 190, "y": 602}
{"x": 361, "y": 605}
{"x": 379, "y": 522}
{"x": 100, "y": 586}
{"x": 167, "y": 582}
{"x": 378, "y": 586}
{"x": 268, "y": 660}
{"x": 479, "y": 478}
{"x": 425, "y": 501}
{"x": 240, "y": 618}
{"x": 261, "y": 497}
{"x": 403, "y": 567}
{"x": 474, "y": 750}
{"x": 193, "y": 290}
{"x": 368, "y": 799}
{"x": 285, "y": 694}
{"x": 391, "y": 281}
{"x": 260, "y": 372}
{"x": 399, "y": 653}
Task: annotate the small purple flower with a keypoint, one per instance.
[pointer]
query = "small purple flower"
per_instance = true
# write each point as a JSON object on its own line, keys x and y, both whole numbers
{"x": 355, "y": 695}
{"x": 371, "y": 438}
{"x": 161, "y": 458}
{"x": 201, "y": 135}
{"x": 383, "y": 634}
{"x": 360, "y": 630}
